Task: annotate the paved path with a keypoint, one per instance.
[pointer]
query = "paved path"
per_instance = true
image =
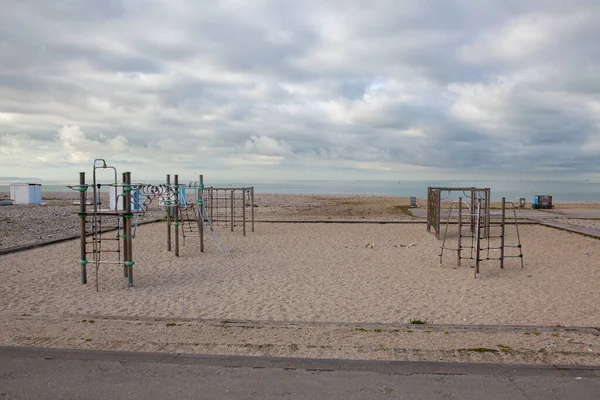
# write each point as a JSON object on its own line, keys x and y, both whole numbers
{"x": 77, "y": 374}
{"x": 582, "y": 230}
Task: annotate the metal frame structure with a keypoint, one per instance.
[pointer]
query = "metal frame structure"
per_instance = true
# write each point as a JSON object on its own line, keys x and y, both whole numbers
{"x": 476, "y": 247}
{"x": 434, "y": 205}
{"x": 222, "y": 203}
{"x": 95, "y": 232}
{"x": 92, "y": 224}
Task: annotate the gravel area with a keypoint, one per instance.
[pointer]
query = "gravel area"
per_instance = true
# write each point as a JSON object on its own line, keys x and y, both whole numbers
{"x": 55, "y": 218}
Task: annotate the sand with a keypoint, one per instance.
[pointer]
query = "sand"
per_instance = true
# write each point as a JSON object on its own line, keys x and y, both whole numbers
{"x": 311, "y": 290}
{"x": 318, "y": 272}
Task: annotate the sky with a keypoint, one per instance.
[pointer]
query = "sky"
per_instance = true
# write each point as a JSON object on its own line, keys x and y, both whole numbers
{"x": 285, "y": 90}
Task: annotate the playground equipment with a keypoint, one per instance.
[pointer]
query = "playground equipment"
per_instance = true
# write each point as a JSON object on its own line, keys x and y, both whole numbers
{"x": 435, "y": 195}
{"x": 477, "y": 244}
{"x": 227, "y": 206}
{"x": 101, "y": 226}
{"x": 93, "y": 223}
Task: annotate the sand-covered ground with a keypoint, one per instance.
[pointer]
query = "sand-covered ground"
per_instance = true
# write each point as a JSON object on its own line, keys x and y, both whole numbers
{"x": 318, "y": 272}
{"x": 296, "y": 286}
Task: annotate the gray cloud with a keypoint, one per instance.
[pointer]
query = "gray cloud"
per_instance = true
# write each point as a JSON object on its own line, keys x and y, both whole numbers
{"x": 270, "y": 90}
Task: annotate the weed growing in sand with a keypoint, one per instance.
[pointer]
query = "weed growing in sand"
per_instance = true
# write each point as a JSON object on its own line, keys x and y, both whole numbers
{"x": 88, "y": 340}
{"x": 479, "y": 350}
{"x": 409, "y": 331}
{"x": 171, "y": 324}
{"x": 505, "y": 349}
{"x": 418, "y": 322}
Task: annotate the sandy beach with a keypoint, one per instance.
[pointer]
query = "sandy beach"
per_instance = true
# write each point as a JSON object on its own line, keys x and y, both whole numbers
{"x": 306, "y": 273}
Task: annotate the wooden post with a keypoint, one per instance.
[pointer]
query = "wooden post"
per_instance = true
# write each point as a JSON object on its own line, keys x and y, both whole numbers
{"x": 232, "y": 197}
{"x": 82, "y": 220}
{"x": 244, "y": 212}
{"x": 502, "y": 233}
{"x": 252, "y": 211}
{"x": 200, "y": 206}
{"x": 459, "y": 230}
{"x": 176, "y": 214}
{"x": 211, "y": 205}
{"x": 168, "y": 206}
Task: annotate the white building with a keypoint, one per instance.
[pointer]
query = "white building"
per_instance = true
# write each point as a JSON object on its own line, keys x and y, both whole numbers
{"x": 26, "y": 193}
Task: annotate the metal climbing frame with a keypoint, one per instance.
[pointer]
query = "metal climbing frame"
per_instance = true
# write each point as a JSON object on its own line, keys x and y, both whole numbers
{"x": 479, "y": 243}
{"x": 96, "y": 232}
{"x": 435, "y": 196}
{"x": 227, "y": 206}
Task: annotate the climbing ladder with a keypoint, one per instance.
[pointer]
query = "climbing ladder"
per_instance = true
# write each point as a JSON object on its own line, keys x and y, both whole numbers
{"x": 482, "y": 240}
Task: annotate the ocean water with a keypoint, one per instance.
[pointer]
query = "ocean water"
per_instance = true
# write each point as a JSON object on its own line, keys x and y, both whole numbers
{"x": 562, "y": 191}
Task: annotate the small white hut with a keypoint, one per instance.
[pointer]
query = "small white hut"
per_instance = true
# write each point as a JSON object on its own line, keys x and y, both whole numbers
{"x": 26, "y": 193}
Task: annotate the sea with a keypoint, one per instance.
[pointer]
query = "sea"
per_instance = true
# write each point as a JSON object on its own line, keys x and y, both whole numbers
{"x": 561, "y": 191}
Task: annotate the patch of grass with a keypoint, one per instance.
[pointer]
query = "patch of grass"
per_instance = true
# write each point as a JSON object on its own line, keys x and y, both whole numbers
{"x": 88, "y": 340}
{"x": 361, "y": 329}
{"x": 409, "y": 331}
{"x": 91, "y": 321}
{"x": 526, "y": 333}
{"x": 378, "y": 330}
{"x": 479, "y": 350}
{"x": 505, "y": 349}
{"x": 537, "y": 333}
{"x": 555, "y": 334}
{"x": 418, "y": 322}
{"x": 170, "y": 324}
{"x": 446, "y": 333}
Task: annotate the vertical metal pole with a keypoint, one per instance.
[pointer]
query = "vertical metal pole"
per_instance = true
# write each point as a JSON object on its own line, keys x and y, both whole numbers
{"x": 252, "y": 211}
{"x": 459, "y": 230}
{"x": 477, "y": 238}
{"x": 232, "y": 197}
{"x": 244, "y": 212}
{"x": 82, "y": 220}
{"x": 502, "y": 233}
{"x": 169, "y": 209}
{"x": 176, "y": 214}
{"x": 201, "y": 212}
{"x": 429, "y": 200}
{"x": 438, "y": 212}
{"x": 473, "y": 210}
{"x": 127, "y": 225}
{"x": 488, "y": 210}
{"x": 211, "y": 204}
{"x": 125, "y": 232}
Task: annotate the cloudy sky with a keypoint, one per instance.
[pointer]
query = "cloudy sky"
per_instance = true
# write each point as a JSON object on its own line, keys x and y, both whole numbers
{"x": 325, "y": 89}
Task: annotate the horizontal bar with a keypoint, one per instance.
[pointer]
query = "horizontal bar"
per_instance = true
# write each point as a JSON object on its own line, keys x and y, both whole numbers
{"x": 519, "y": 256}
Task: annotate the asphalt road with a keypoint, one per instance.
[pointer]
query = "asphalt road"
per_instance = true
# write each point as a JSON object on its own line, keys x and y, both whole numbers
{"x": 79, "y": 374}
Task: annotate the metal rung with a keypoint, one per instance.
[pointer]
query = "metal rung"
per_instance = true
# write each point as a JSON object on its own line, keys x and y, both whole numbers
{"x": 519, "y": 256}
{"x": 513, "y": 246}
